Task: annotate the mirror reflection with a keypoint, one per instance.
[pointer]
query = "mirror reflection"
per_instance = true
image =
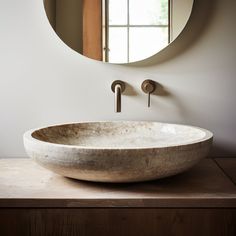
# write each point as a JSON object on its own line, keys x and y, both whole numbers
{"x": 118, "y": 31}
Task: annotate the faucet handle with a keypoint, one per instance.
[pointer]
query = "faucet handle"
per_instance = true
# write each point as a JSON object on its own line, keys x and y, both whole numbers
{"x": 148, "y": 87}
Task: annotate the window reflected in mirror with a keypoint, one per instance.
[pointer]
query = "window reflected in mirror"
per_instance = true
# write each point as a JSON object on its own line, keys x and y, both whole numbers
{"x": 118, "y": 31}
{"x": 136, "y": 29}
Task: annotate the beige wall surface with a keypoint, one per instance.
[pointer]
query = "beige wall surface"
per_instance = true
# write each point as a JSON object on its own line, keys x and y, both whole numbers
{"x": 66, "y": 18}
{"x": 43, "y": 82}
{"x": 69, "y": 22}
{"x": 180, "y": 12}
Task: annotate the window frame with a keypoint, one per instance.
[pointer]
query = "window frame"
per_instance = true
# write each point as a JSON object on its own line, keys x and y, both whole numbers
{"x": 106, "y": 27}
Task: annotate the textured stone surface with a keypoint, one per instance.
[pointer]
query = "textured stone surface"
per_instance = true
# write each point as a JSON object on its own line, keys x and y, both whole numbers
{"x": 124, "y": 151}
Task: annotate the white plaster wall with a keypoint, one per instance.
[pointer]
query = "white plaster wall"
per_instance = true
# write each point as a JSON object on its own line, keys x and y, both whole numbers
{"x": 42, "y": 81}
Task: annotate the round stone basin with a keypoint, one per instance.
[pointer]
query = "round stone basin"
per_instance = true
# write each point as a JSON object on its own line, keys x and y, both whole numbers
{"x": 120, "y": 151}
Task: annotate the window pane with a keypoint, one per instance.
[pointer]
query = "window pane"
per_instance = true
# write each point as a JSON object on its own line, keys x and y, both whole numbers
{"x": 145, "y": 42}
{"x": 118, "y": 12}
{"x": 118, "y": 45}
{"x": 148, "y": 12}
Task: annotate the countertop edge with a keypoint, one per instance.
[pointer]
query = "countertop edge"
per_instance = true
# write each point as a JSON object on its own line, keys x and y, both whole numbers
{"x": 229, "y": 202}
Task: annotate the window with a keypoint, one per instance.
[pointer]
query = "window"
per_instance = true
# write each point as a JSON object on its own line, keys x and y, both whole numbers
{"x": 135, "y": 29}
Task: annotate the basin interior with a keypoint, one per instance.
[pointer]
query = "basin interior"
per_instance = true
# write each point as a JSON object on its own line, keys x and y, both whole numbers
{"x": 120, "y": 134}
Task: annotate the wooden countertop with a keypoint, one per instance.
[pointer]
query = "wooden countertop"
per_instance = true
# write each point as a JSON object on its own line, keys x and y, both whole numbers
{"x": 24, "y": 183}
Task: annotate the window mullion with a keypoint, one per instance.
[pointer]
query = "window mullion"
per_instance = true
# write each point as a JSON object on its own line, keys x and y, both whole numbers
{"x": 128, "y": 38}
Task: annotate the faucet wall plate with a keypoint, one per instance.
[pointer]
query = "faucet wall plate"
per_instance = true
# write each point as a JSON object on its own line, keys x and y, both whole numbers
{"x": 120, "y": 82}
{"x": 148, "y": 86}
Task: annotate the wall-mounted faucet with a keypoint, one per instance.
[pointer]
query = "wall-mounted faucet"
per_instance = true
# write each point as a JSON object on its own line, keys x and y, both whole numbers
{"x": 118, "y": 87}
{"x": 149, "y": 86}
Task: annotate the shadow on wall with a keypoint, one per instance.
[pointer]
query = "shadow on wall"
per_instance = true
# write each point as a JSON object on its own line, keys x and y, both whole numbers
{"x": 162, "y": 91}
{"x": 200, "y": 18}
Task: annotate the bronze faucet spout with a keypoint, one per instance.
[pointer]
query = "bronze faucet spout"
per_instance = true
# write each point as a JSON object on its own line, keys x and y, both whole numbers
{"x": 118, "y": 88}
{"x": 117, "y": 98}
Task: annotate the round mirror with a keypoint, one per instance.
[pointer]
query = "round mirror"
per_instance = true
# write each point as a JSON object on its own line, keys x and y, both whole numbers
{"x": 118, "y": 31}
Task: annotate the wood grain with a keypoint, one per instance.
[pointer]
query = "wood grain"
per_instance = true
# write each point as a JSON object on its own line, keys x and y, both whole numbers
{"x": 33, "y": 201}
{"x": 118, "y": 222}
{"x": 23, "y": 183}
